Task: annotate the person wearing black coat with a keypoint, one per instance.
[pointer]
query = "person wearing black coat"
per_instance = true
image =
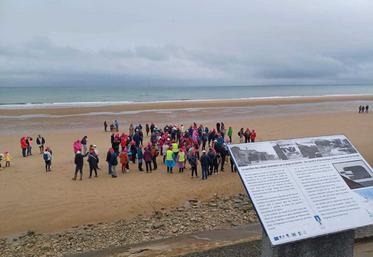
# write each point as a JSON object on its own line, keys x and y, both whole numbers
{"x": 40, "y": 141}
{"x": 93, "y": 163}
{"x": 113, "y": 163}
{"x": 79, "y": 157}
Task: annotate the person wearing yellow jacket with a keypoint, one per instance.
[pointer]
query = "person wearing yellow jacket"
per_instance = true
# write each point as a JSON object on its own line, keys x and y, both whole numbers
{"x": 181, "y": 160}
{"x": 7, "y": 159}
{"x": 170, "y": 162}
{"x": 175, "y": 149}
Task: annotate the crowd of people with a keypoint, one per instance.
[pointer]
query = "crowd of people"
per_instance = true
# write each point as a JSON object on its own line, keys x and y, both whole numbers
{"x": 177, "y": 147}
{"x": 197, "y": 146}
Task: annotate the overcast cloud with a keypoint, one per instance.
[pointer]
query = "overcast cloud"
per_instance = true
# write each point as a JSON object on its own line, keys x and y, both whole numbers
{"x": 177, "y": 42}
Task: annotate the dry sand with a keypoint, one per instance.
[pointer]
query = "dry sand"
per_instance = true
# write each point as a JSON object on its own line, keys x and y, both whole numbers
{"x": 31, "y": 199}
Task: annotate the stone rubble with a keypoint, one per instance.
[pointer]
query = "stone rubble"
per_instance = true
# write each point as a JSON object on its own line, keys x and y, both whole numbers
{"x": 193, "y": 216}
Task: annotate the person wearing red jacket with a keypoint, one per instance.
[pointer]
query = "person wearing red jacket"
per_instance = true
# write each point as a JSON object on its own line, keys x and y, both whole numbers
{"x": 253, "y": 136}
{"x": 24, "y": 145}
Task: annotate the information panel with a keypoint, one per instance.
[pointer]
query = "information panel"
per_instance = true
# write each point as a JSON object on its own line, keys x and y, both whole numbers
{"x": 306, "y": 187}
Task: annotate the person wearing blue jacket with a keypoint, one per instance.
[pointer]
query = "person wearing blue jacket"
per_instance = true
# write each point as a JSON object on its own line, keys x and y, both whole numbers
{"x": 205, "y": 162}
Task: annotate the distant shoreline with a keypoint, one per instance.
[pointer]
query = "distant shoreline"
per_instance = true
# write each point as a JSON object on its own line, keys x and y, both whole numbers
{"x": 113, "y": 107}
{"x": 94, "y": 104}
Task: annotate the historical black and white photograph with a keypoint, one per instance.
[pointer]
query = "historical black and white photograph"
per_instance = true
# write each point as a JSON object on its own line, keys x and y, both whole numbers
{"x": 355, "y": 173}
{"x": 250, "y": 154}
{"x": 334, "y": 147}
{"x": 308, "y": 149}
{"x": 287, "y": 150}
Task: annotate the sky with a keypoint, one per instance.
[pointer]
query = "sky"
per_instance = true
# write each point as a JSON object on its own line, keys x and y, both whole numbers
{"x": 178, "y": 42}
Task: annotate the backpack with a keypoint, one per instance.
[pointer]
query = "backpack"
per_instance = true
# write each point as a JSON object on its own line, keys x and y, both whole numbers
{"x": 46, "y": 157}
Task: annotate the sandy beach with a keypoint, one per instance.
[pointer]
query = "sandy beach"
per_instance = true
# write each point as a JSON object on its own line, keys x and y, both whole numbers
{"x": 31, "y": 199}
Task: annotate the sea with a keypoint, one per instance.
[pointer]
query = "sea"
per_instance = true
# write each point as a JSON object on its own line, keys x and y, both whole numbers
{"x": 71, "y": 96}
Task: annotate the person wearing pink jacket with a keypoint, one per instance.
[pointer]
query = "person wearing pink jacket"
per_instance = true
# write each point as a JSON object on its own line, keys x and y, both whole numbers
{"x": 77, "y": 146}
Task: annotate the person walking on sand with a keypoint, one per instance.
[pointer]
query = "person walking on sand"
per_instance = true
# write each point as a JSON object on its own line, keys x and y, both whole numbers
{"x": 367, "y": 108}
{"x": 360, "y": 108}
{"x": 23, "y": 143}
{"x": 40, "y": 141}
{"x": 93, "y": 162}
{"x": 123, "y": 157}
{"x": 79, "y": 157}
{"x": 47, "y": 156}
{"x": 205, "y": 162}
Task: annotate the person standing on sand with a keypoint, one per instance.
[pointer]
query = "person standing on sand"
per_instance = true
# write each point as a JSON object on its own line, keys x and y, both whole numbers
{"x": 205, "y": 162}
{"x": 84, "y": 143}
{"x": 230, "y": 133}
{"x": 181, "y": 160}
{"x": 29, "y": 146}
{"x": 23, "y": 146}
{"x": 113, "y": 164}
{"x": 360, "y": 107}
{"x": 240, "y": 135}
{"x": 77, "y": 146}
{"x": 123, "y": 157}
{"x": 148, "y": 159}
{"x": 131, "y": 130}
{"x": 47, "y": 156}
{"x": 79, "y": 157}
{"x": 233, "y": 165}
{"x": 40, "y": 141}
{"x": 93, "y": 162}
{"x": 212, "y": 155}
{"x": 147, "y": 129}
{"x": 105, "y": 126}
{"x": 7, "y": 159}
{"x": 154, "y": 151}
{"x": 116, "y": 124}
{"x": 140, "y": 156}
{"x": 253, "y": 136}
{"x": 170, "y": 162}
{"x": 367, "y": 108}
{"x": 133, "y": 150}
{"x": 193, "y": 161}
{"x": 1, "y": 158}
{"x": 108, "y": 158}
